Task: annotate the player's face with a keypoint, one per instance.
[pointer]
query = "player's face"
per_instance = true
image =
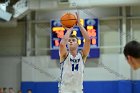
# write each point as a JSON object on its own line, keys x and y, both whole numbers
{"x": 72, "y": 43}
{"x": 134, "y": 62}
{"x": 1, "y": 90}
{"x": 29, "y": 91}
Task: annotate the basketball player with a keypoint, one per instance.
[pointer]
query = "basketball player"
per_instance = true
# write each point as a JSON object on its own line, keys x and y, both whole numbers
{"x": 72, "y": 61}
{"x": 132, "y": 54}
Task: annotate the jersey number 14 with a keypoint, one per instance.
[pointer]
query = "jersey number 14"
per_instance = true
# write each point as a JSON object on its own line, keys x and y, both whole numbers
{"x": 75, "y": 67}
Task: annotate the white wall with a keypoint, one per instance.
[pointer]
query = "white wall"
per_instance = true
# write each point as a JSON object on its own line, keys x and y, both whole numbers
{"x": 110, "y": 36}
{"x": 112, "y": 67}
{"x": 10, "y": 72}
{"x": 12, "y": 40}
{"x": 136, "y": 29}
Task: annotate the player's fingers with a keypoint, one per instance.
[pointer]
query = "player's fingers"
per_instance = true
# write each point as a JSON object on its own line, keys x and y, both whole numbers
{"x": 68, "y": 29}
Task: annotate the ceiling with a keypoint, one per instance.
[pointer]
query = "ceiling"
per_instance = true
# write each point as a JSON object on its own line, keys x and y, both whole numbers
{"x": 12, "y": 2}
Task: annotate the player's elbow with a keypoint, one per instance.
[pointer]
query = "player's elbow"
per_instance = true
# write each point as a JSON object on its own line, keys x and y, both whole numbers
{"x": 62, "y": 44}
{"x": 63, "y": 41}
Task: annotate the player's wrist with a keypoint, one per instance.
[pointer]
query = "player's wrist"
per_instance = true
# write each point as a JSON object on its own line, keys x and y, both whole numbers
{"x": 80, "y": 25}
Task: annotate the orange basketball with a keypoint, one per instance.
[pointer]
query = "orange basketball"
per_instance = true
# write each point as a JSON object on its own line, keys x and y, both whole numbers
{"x": 68, "y": 20}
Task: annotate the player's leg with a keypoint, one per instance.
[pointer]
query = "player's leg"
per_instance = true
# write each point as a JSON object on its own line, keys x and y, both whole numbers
{"x": 79, "y": 91}
{"x": 66, "y": 92}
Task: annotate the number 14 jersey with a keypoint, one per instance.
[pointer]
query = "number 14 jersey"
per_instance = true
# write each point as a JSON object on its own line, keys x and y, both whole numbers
{"x": 72, "y": 69}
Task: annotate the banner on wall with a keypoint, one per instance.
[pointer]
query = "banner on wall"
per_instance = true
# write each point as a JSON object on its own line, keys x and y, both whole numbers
{"x": 57, "y": 33}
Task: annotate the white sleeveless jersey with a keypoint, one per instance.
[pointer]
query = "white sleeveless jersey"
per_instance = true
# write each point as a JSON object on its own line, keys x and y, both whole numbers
{"x": 72, "y": 73}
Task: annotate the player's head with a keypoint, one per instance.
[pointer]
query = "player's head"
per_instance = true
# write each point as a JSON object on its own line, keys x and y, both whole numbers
{"x": 73, "y": 42}
{"x": 132, "y": 54}
{"x": 1, "y": 90}
{"x": 11, "y": 90}
{"x": 29, "y": 91}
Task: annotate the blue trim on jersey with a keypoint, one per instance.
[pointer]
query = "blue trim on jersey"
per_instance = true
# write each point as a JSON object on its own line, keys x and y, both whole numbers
{"x": 64, "y": 59}
{"x": 62, "y": 67}
{"x": 82, "y": 58}
{"x": 83, "y": 62}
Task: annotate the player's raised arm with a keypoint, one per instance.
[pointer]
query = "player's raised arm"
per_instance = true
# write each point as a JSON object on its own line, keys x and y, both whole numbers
{"x": 63, "y": 42}
{"x": 86, "y": 47}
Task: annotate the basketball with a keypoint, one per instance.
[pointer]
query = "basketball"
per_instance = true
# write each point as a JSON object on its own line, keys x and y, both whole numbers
{"x": 68, "y": 20}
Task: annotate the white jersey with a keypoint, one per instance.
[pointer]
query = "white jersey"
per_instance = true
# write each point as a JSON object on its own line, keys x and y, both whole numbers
{"x": 72, "y": 69}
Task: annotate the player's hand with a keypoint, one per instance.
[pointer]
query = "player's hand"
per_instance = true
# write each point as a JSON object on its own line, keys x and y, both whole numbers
{"x": 68, "y": 29}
